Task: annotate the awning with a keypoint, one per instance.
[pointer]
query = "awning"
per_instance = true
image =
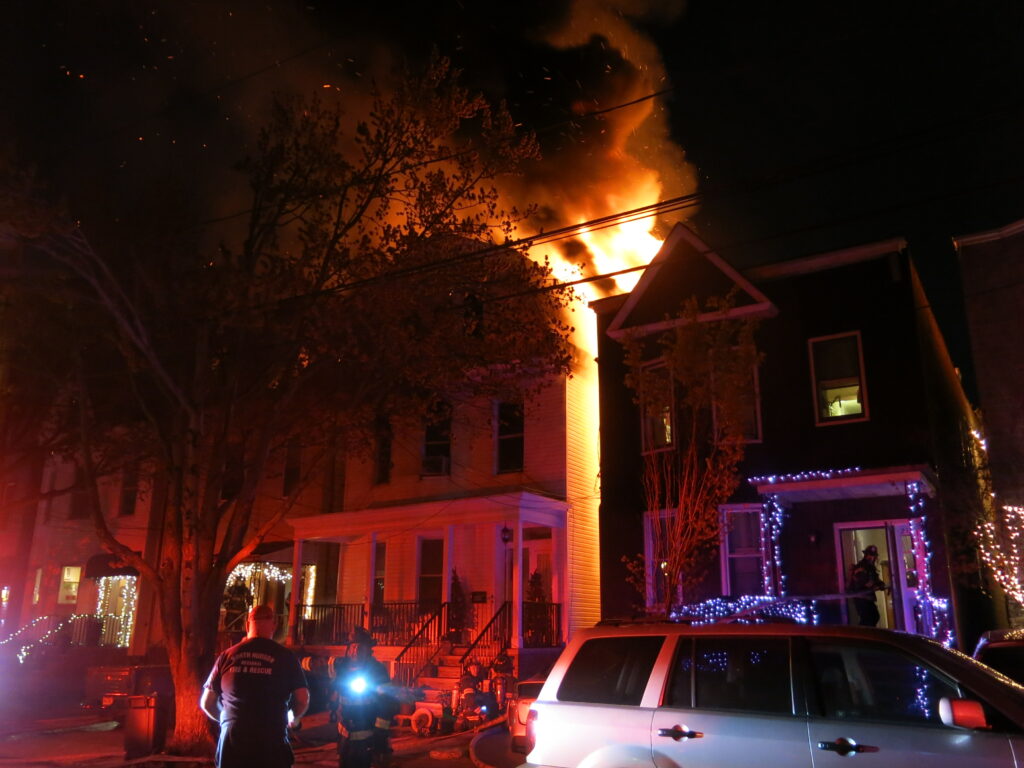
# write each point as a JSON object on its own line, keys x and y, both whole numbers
{"x": 106, "y": 564}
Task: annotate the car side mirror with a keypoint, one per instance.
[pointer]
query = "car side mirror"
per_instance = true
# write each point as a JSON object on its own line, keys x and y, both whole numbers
{"x": 963, "y": 713}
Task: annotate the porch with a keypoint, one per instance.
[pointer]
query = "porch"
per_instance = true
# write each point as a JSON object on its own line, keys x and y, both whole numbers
{"x": 482, "y": 574}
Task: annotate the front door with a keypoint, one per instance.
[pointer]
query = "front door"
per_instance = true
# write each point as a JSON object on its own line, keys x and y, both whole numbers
{"x": 896, "y": 566}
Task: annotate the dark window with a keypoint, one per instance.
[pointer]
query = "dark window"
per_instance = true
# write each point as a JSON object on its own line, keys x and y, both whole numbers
{"x": 382, "y": 453}
{"x": 129, "y": 491}
{"x": 380, "y": 554}
{"x": 862, "y": 682}
{"x": 611, "y": 670}
{"x": 838, "y": 378}
{"x": 292, "y": 467}
{"x": 431, "y": 578}
{"x": 437, "y": 441}
{"x": 234, "y": 473}
{"x": 657, "y": 409}
{"x": 78, "y": 501}
{"x": 510, "y": 434}
{"x": 334, "y": 482}
{"x": 743, "y": 674}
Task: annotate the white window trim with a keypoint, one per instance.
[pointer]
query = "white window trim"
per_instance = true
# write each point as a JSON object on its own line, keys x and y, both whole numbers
{"x": 865, "y": 416}
{"x": 724, "y": 555}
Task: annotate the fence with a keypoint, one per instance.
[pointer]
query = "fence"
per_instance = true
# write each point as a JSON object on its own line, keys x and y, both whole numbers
{"x": 328, "y": 624}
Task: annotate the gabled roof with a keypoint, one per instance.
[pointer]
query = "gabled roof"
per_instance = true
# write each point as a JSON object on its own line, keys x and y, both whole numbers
{"x": 685, "y": 266}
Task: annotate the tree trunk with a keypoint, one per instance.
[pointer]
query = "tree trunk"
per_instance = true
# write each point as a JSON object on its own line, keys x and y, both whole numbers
{"x": 192, "y": 733}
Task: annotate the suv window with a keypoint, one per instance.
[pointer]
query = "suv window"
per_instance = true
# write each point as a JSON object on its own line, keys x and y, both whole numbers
{"x": 611, "y": 670}
{"x": 749, "y": 674}
{"x": 862, "y": 682}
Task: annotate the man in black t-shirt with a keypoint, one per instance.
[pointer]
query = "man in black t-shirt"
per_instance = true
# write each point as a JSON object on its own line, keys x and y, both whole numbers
{"x": 248, "y": 692}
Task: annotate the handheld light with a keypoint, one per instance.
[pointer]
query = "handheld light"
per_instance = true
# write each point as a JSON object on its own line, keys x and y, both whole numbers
{"x": 357, "y": 684}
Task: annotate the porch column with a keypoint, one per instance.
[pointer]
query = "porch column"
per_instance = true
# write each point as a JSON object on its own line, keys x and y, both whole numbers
{"x": 559, "y": 592}
{"x": 517, "y": 585}
{"x": 371, "y": 568}
{"x": 449, "y": 563}
{"x": 293, "y": 600}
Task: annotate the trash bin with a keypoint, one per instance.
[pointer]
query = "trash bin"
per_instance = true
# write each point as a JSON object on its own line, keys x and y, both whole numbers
{"x": 144, "y": 726}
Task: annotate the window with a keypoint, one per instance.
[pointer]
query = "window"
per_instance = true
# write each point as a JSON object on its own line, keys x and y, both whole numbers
{"x": 380, "y": 555}
{"x": 751, "y": 413}
{"x": 431, "y": 577}
{"x": 129, "y": 491}
{"x": 742, "y": 555}
{"x": 334, "y": 482}
{"x": 437, "y": 441}
{"x": 78, "y": 499}
{"x": 6, "y": 497}
{"x": 382, "y": 452}
{"x": 871, "y": 682}
{"x": 837, "y": 371}
{"x": 37, "y": 586}
{"x": 509, "y": 438}
{"x": 69, "y": 578}
{"x": 292, "y": 467}
{"x": 739, "y": 673}
{"x": 657, "y": 409}
{"x": 611, "y": 670}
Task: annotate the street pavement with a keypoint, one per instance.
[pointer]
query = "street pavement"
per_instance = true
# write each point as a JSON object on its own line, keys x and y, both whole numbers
{"x": 92, "y": 740}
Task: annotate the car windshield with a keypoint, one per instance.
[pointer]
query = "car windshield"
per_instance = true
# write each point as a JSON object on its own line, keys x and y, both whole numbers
{"x": 1008, "y": 659}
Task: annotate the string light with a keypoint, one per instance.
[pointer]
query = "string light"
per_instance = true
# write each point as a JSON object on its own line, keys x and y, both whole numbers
{"x": 246, "y": 572}
{"x": 1000, "y": 546}
{"x": 822, "y": 474}
{"x": 751, "y": 609}
{"x": 771, "y": 518}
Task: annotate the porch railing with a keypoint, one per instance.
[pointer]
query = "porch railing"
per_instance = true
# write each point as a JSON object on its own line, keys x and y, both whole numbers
{"x": 542, "y": 625}
{"x": 328, "y": 624}
{"x": 495, "y": 637}
{"x": 395, "y": 623}
{"x": 422, "y": 648}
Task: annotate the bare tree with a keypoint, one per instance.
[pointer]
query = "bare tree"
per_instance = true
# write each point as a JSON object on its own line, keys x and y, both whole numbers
{"x": 371, "y": 280}
{"x": 695, "y": 393}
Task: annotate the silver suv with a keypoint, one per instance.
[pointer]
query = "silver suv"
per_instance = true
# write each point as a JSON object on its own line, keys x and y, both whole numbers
{"x": 771, "y": 696}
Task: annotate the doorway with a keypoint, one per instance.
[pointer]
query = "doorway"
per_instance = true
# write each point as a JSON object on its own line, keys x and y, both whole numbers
{"x": 896, "y": 567}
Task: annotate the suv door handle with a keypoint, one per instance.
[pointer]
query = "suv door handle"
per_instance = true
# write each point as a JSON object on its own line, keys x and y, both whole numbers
{"x": 676, "y": 733}
{"x": 845, "y": 746}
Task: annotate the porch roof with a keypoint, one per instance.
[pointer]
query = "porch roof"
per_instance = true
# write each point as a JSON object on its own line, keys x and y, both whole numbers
{"x": 844, "y": 484}
{"x": 504, "y": 508}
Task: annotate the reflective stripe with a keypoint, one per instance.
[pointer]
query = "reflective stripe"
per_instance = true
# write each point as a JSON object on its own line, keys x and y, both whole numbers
{"x": 382, "y": 722}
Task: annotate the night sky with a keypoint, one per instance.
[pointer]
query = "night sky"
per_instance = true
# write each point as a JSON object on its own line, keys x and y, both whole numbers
{"x": 805, "y": 126}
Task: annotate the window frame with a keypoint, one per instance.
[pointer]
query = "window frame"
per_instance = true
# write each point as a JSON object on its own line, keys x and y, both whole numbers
{"x": 862, "y": 383}
{"x": 724, "y": 555}
{"x": 646, "y": 443}
{"x": 69, "y": 595}
{"x": 500, "y": 437}
{"x": 437, "y": 443}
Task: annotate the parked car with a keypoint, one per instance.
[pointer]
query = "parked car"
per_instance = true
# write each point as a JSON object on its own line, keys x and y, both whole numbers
{"x": 1003, "y": 650}
{"x": 773, "y": 696}
{"x": 518, "y": 709}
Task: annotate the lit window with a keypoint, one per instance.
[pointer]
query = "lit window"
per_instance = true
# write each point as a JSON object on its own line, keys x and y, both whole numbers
{"x": 37, "y": 586}
{"x": 510, "y": 450}
{"x": 69, "y": 578}
{"x": 656, "y": 406}
{"x": 742, "y": 555}
{"x": 838, "y": 374}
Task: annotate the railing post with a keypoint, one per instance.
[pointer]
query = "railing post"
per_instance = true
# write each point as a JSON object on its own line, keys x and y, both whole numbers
{"x": 293, "y": 600}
